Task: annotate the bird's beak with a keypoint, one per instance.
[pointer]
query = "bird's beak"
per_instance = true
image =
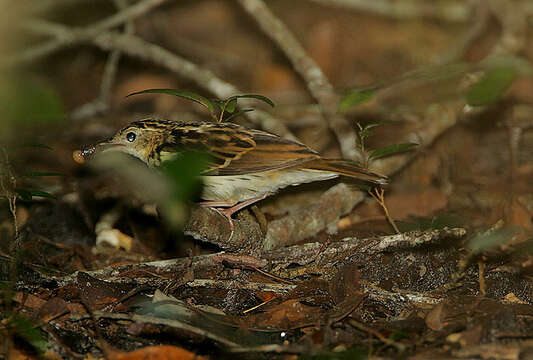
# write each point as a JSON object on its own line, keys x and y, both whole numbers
{"x": 86, "y": 153}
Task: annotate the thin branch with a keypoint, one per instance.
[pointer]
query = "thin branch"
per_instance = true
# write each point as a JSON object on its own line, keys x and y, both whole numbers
{"x": 65, "y": 39}
{"x": 317, "y": 83}
{"x": 379, "y": 196}
{"x": 102, "y": 102}
{"x": 453, "y": 11}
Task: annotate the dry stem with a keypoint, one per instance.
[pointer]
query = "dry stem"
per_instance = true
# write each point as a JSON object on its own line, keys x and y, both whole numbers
{"x": 379, "y": 196}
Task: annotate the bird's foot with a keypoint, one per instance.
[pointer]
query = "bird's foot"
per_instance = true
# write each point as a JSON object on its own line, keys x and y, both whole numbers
{"x": 227, "y": 209}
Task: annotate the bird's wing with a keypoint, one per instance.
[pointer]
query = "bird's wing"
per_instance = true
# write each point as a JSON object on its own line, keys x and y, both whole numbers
{"x": 236, "y": 150}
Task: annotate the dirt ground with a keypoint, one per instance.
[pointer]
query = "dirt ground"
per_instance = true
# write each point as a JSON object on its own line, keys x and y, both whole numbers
{"x": 437, "y": 266}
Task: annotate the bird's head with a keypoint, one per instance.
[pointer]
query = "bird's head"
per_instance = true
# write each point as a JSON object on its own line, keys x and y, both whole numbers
{"x": 141, "y": 139}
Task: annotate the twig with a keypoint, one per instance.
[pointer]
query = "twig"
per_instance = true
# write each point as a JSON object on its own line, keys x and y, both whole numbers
{"x": 379, "y": 196}
{"x": 453, "y": 11}
{"x": 75, "y": 36}
{"x": 317, "y": 83}
{"x": 231, "y": 284}
{"x": 101, "y": 103}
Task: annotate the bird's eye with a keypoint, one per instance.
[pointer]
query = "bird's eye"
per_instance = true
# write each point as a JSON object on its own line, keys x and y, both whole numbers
{"x": 131, "y": 137}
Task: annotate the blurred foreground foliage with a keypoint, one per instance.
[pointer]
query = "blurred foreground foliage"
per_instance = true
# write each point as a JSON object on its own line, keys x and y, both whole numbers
{"x": 172, "y": 187}
{"x": 26, "y": 102}
{"x": 496, "y": 74}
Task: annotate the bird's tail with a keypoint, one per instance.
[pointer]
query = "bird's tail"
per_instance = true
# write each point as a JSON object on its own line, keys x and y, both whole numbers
{"x": 346, "y": 168}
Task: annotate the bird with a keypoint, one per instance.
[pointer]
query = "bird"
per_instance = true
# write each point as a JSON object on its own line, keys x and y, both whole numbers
{"x": 245, "y": 165}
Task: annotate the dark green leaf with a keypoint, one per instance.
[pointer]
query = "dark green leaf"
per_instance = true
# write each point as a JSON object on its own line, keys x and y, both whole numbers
{"x": 43, "y": 194}
{"x": 219, "y": 103}
{"x": 231, "y": 105}
{"x": 42, "y": 173}
{"x": 186, "y": 184}
{"x": 238, "y": 113}
{"x": 27, "y": 195}
{"x": 252, "y": 96}
{"x": 391, "y": 150}
{"x": 180, "y": 93}
{"x": 491, "y": 86}
{"x": 26, "y": 330}
{"x": 356, "y": 97}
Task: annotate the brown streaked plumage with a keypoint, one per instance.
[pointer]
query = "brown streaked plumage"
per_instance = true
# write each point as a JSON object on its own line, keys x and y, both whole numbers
{"x": 246, "y": 165}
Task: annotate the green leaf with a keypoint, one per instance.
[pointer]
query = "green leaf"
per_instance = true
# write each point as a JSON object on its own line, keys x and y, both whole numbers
{"x": 231, "y": 105}
{"x": 391, "y": 150}
{"x": 185, "y": 184}
{"x": 28, "y": 99}
{"x": 238, "y": 113}
{"x": 219, "y": 103}
{"x": 42, "y": 174}
{"x": 491, "y": 239}
{"x": 520, "y": 64}
{"x": 180, "y": 93}
{"x": 356, "y": 97}
{"x": 253, "y": 96}
{"x": 26, "y": 330}
{"x": 491, "y": 86}
{"x": 27, "y": 195}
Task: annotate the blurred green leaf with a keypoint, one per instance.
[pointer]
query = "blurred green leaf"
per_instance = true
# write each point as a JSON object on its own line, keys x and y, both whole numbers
{"x": 219, "y": 103}
{"x": 238, "y": 113}
{"x": 491, "y": 86}
{"x": 391, "y": 150}
{"x": 189, "y": 95}
{"x": 491, "y": 239}
{"x": 27, "y": 100}
{"x": 184, "y": 172}
{"x": 231, "y": 105}
{"x": 356, "y": 97}
{"x": 521, "y": 65}
{"x": 253, "y": 96}
{"x": 437, "y": 222}
{"x": 27, "y": 194}
{"x": 26, "y": 330}
{"x": 42, "y": 174}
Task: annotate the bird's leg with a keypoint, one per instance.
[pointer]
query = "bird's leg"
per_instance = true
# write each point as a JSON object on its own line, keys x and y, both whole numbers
{"x": 227, "y": 209}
